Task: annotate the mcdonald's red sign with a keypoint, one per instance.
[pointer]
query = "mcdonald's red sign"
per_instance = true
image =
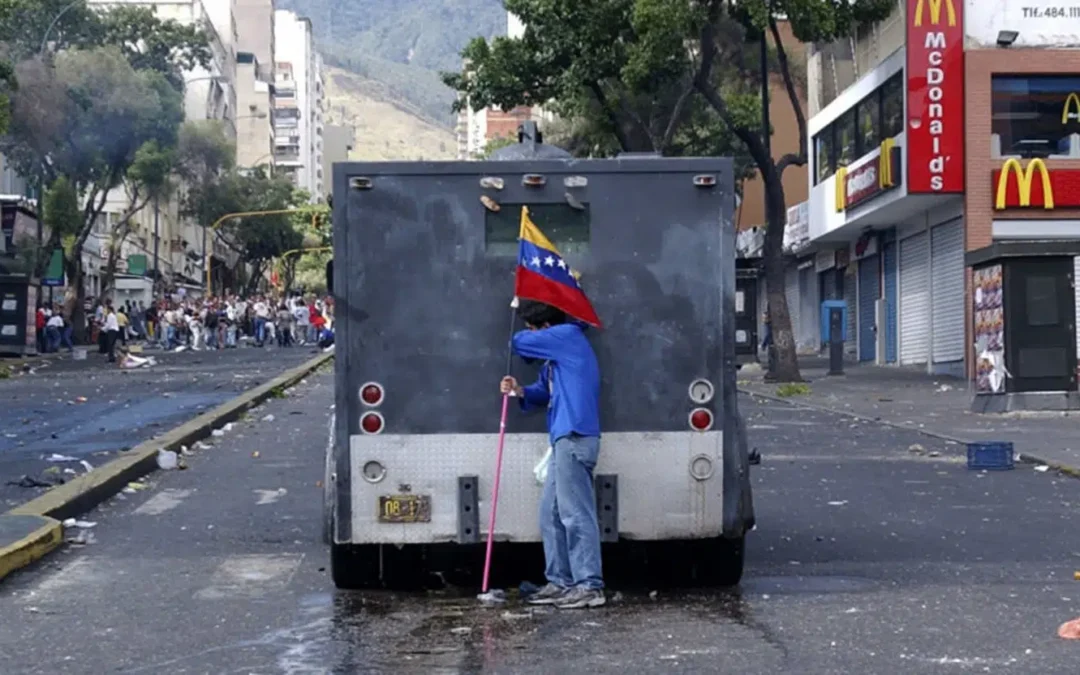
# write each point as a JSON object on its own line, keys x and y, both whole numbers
{"x": 935, "y": 96}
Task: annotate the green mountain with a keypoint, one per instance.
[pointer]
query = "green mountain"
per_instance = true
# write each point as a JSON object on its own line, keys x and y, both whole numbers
{"x": 402, "y": 44}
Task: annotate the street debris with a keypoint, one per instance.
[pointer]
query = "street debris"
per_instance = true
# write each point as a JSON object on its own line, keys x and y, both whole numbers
{"x": 1070, "y": 630}
{"x": 55, "y": 457}
{"x": 81, "y": 524}
{"x": 269, "y": 496}
{"x": 199, "y": 445}
{"x": 217, "y": 433}
{"x": 185, "y": 451}
{"x": 916, "y": 448}
{"x": 135, "y": 486}
{"x": 167, "y": 460}
{"x": 461, "y": 630}
{"x": 838, "y": 503}
{"x": 86, "y": 465}
{"x": 255, "y": 454}
{"x": 268, "y": 418}
{"x": 81, "y": 538}
{"x": 1042, "y": 468}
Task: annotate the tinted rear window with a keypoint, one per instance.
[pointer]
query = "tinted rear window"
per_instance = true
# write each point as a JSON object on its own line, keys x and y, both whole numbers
{"x": 566, "y": 227}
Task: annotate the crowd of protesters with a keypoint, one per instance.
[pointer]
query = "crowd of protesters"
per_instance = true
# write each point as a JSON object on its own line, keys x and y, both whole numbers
{"x": 178, "y": 323}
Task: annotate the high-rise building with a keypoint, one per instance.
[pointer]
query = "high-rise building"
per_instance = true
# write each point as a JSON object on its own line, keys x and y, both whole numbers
{"x": 298, "y": 102}
{"x": 254, "y": 82}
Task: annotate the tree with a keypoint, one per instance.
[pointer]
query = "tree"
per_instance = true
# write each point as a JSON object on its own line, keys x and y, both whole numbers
{"x": 8, "y": 84}
{"x": 667, "y": 74}
{"x": 258, "y": 239}
{"x": 88, "y": 119}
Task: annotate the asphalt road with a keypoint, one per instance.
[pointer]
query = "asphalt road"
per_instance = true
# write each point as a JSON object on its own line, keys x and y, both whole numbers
{"x": 89, "y": 410}
{"x": 869, "y": 557}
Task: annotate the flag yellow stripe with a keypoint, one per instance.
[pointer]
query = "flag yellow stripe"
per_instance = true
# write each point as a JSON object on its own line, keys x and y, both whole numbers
{"x": 532, "y": 234}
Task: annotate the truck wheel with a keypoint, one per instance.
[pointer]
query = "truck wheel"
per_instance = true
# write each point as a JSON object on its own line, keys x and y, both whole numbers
{"x": 722, "y": 564}
{"x": 354, "y": 567}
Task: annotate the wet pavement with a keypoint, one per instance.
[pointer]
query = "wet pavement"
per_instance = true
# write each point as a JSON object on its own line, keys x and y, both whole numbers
{"x": 939, "y": 404}
{"x": 90, "y": 410}
{"x": 868, "y": 558}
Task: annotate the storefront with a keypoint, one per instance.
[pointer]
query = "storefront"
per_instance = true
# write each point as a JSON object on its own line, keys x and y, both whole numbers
{"x": 1022, "y": 208}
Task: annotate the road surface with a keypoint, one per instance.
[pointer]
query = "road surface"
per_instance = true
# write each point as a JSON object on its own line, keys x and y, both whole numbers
{"x": 90, "y": 410}
{"x": 877, "y": 551}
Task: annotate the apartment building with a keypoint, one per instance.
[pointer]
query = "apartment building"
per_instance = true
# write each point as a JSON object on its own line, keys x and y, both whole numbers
{"x": 298, "y": 103}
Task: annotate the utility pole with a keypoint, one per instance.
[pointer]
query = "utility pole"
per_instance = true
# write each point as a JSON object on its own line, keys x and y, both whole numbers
{"x": 206, "y": 265}
{"x": 766, "y": 137}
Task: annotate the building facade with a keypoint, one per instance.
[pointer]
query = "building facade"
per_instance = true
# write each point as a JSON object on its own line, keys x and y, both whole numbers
{"x": 298, "y": 102}
{"x": 337, "y": 143}
{"x": 947, "y": 137}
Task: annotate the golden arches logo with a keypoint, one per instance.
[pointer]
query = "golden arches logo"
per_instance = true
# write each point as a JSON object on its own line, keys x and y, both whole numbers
{"x": 1070, "y": 102}
{"x": 1024, "y": 178}
{"x": 841, "y": 189}
{"x": 935, "y": 12}
{"x": 885, "y": 178}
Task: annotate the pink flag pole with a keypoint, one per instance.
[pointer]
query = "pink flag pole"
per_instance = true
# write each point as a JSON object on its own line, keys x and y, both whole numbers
{"x": 495, "y": 492}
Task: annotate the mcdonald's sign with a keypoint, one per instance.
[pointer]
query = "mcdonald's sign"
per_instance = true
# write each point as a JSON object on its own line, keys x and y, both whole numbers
{"x": 935, "y": 7}
{"x": 1072, "y": 101}
{"x": 935, "y": 96}
{"x": 1036, "y": 186}
{"x": 858, "y": 185}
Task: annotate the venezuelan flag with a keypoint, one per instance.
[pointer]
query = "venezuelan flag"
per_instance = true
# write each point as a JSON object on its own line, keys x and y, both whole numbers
{"x": 543, "y": 275}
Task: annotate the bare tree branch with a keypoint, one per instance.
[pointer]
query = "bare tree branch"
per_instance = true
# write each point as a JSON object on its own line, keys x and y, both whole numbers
{"x": 792, "y": 158}
{"x": 616, "y": 128}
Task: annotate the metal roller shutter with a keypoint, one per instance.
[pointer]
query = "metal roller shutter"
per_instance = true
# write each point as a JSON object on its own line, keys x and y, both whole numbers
{"x": 915, "y": 299}
{"x": 869, "y": 292}
{"x": 1076, "y": 323}
{"x": 850, "y": 298}
{"x": 809, "y": 328}
{"x": 947, "y": 279}
{"x": 890, "y": 275}
{"x": 791, "y": 293}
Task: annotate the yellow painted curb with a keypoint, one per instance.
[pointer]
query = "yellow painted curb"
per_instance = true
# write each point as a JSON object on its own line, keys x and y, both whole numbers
{"x": 33, "y": 546}
{"x": 90, "y": 489}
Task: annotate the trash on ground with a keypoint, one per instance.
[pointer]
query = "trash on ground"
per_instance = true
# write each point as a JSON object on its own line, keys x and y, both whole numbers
{"x": 516, "y": 616}
{"x": 495, "y": 596}
{"x": 268, "y": 418}
{"x": 270, "y": 496}
{"x": 217, "y": 433}
{"x": 1070, "y": 630}
{"x": 202, "y": 446}
{"x": 86, "y": 465}
{"x": 915, "y": 447}
{"x": 81, "y": 524}
{"x": 80, "y": 399}
{"x": 55, "y": 457}
{"x": 838, "y": 503}
{"x": 1042, "y": 468}
{"x": 185, "y": 451}
{"x": 227, "y": 427}
{"x": 255, "y": 454}
{"x": 167, "y": 460}
{"x": 82, "y": 538}
{"x": 461, "y": 630}
{"x": 136, "y": 485}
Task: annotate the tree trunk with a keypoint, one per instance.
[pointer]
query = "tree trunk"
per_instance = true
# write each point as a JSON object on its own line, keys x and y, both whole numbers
{"x": 74, "y": 271}
{"x": 785, "y": 364}
{"x": 108, "y": 277}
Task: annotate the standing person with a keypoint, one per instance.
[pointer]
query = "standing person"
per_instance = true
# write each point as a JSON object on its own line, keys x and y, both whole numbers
{"x": 211, "y": 327}
{"x": 125, "y": 324}
{"x": 66, "y": 329}
{"x": 54, "y": 327}
{"x": 284, "y": 326}
{"x": 39, "y": 324}
{"x": 111, "y": 329}
{"x": 303, "y": 321}
{"x": 262, "y": 315}
{"x": 569, "y": 387}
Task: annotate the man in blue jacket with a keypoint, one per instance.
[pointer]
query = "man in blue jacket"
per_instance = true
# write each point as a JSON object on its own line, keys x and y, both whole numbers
{"x": 569, "y": 386}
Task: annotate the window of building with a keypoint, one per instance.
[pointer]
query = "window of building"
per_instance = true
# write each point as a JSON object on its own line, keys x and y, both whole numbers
{"x": 1033, "y": 116}
{"x": 868, "y": 116}
{"x": 845, "y": 139}
{"x": 860, "y": 130}
{"x": 892, "y": 107}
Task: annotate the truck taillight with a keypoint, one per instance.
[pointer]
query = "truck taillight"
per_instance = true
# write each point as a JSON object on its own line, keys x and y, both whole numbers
{"x": 701, "y": 419}
{"x": 372, "y": 394}
{"x": 372, "y": 422}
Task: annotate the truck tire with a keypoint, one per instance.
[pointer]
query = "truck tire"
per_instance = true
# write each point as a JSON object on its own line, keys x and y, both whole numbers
{"x": 353, "y": 567}
{"x": 722, "y": 564}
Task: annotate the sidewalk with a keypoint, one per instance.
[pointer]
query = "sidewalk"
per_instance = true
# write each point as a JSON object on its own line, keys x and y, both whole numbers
{"x": 935, "y": 405}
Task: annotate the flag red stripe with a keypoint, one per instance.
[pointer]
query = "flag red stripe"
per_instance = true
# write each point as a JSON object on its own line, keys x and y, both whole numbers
{"x": 529, "y": 285}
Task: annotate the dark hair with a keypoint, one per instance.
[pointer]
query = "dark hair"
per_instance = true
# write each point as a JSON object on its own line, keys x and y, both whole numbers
{"x": 537, "y": 313}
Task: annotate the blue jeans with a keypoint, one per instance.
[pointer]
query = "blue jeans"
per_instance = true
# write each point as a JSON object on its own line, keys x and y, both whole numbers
{"x": 260, "y": 331}
{"x": 568, "y": 523}
{"x": 170, "y": 337}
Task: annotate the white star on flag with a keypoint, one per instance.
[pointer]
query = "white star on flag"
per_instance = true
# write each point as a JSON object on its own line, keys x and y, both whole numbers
{"x": 549, "y": 261}
{"x": 562, "y": 263}
{"x": 535, "y": 262}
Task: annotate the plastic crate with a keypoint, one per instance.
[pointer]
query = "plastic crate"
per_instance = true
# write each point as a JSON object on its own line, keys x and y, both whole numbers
{"x": 990, "y": 456}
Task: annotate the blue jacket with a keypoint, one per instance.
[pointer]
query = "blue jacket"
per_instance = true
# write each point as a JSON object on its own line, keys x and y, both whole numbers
{"x": 569, "y": 380}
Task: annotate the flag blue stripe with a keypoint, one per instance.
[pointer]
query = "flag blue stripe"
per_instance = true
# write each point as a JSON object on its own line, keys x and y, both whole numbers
{"x": 528, "y": 255}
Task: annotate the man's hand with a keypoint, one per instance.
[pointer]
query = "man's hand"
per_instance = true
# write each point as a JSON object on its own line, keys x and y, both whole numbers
{"x": 509, "y": 385}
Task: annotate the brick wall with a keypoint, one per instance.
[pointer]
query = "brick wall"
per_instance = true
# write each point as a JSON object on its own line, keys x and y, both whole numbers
{"x": 980, "y": 67}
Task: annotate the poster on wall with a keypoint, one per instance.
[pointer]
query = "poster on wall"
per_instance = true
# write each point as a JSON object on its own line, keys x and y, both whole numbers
{"x": 989, "y": 317}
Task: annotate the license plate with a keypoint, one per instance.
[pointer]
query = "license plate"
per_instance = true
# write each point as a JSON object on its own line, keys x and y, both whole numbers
{"x": 405, "y": 509}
